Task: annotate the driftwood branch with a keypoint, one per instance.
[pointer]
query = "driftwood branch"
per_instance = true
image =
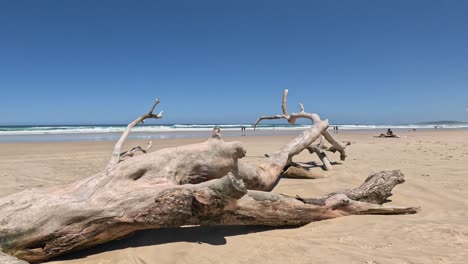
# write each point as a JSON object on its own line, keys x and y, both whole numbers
{"x": 133, "y": 151}
{"x": 265, "y": 175}
{"x": 116, "y": 153}
{"x": 319, "y": 150}
{"x": 292, "y": 118}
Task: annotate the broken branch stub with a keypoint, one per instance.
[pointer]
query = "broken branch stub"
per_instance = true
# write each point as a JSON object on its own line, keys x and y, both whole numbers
{"x": 134, "y": 150}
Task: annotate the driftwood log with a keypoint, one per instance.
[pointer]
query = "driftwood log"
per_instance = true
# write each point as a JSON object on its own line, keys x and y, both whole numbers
{"x": 199, "y": 184}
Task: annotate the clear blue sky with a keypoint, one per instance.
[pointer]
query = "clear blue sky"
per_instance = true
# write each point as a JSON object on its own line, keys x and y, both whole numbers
{"x": 228, "y": 61}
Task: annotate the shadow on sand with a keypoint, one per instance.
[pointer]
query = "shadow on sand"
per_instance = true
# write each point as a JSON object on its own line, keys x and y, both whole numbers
{"x": 313, "y": 164}
{"x": 213, "y": 235}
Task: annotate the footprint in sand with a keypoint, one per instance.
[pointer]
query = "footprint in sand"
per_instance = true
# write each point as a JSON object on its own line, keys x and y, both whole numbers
{"x": 440, "y": 260}
{"x": 459, "y": 237}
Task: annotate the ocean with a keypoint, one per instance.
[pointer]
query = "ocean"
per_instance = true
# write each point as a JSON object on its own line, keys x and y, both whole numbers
{"x": 42, "y": 133}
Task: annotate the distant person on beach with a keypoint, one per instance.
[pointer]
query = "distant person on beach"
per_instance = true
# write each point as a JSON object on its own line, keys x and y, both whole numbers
{"x": 336, "y": 129}
{"x": 388, "y": 134}
{"x": 243, "y": 131}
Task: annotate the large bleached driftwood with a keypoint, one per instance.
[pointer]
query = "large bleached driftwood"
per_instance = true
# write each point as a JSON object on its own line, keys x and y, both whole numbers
{"x": 199, "y": 184}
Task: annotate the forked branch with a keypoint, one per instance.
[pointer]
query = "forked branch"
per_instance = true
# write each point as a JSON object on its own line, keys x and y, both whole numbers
{"x": 116, "y": 153}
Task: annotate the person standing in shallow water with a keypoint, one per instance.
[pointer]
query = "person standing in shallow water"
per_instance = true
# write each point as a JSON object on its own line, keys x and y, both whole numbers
{"x": 335, "y": 129}
{"x": 243, "y": 129}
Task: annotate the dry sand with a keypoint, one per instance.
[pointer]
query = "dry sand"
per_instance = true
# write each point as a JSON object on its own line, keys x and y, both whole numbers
{"x": 435, "y": 164}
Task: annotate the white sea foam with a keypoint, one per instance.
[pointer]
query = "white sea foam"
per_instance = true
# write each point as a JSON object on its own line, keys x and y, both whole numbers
{"x": 45, "y": 130}
{"x": 115, "y": 129}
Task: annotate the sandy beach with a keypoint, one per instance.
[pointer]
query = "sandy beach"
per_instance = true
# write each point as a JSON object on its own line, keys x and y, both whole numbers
{"x": 434, "y": 162}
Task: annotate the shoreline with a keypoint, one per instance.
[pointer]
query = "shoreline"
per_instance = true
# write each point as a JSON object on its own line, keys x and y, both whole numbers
{"x": 227, "y": 133}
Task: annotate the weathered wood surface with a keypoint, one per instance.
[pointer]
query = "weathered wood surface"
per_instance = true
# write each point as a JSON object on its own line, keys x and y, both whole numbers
{"x": 7, "y": 259}
{"x": 43, "y": 223}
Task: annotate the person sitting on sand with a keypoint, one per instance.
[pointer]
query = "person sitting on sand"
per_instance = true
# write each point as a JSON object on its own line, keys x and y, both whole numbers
{"x": 388, "y": 134}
